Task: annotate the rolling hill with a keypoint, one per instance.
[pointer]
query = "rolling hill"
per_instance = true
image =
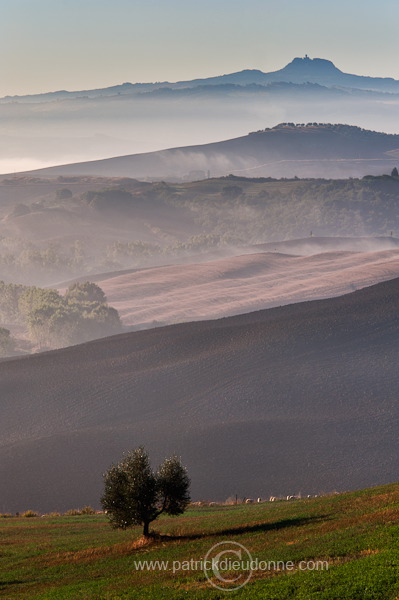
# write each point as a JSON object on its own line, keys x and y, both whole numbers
{"x": 287, "y": 150}
{"x": 297, "y": 398}
{"x": 63, "y": 127}
{"x": 52, "y": 230}
{"x": 241, "y": 284}
{"x": 348, "y": 541}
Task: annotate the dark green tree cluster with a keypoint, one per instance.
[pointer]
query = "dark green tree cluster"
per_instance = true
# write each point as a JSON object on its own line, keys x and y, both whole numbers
{"x": 9, "y": 302}
{"x": 30, "y": 262}
{"x": 6, "y": 342}
{"x": 85, "y": 292}
{"x": 54, "y": 320}
{"x": 109, "y": 199}
{"x": 63, "y": 194}
{"x": 135, "y": 495}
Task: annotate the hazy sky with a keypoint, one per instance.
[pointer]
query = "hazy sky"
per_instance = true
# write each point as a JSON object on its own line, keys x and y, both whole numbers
{"x": 48, "y": 45}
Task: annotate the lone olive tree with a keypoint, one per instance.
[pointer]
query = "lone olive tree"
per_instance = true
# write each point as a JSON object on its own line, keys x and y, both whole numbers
{"x": 135, "y": 495}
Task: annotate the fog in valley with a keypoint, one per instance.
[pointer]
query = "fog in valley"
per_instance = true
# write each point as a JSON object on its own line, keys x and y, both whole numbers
{"x": 241, "y": 239}
{"x": 199, "y": 300}
{"x": 179, "y": 192}
{"x": 38, "y": 134}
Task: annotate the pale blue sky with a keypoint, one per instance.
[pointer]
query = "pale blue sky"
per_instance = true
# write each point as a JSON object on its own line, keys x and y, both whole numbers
{"x": 48, "y": 45}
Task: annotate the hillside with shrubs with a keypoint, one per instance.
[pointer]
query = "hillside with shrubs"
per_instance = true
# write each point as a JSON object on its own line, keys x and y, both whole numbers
{"x": 57, "y": 230}
{"x": 52, "y": 320}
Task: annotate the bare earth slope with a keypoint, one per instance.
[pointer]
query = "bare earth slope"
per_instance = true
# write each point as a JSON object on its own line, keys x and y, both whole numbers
{"x": 241, "y": 284}
{"x": 297, "y": 398}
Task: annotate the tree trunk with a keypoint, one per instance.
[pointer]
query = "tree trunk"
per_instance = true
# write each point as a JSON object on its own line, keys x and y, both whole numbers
{"x": 146, "y": 531}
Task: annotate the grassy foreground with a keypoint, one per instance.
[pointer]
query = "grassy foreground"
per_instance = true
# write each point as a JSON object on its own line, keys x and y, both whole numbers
{"x": 82, "y": 558}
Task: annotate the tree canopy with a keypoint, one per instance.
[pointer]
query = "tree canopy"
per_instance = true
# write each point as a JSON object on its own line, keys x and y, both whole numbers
{"x": 53, "y": 320}
{"x": 135, "y": 495}
{"x": 85, "y": 292}
{"x": 6, "y": 342}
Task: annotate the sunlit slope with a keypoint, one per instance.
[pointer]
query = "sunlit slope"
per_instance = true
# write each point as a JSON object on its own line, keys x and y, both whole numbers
{"x": 353, "y": 534}
{"x": 297, "y": 398}
{"x": 105, "y": 225}
{"x": 240, "y": 284}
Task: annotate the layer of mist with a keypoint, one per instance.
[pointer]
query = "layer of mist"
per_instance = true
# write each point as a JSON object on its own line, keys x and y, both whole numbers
{"x": 54, "y": 230}
{"x": 75, "y": 130}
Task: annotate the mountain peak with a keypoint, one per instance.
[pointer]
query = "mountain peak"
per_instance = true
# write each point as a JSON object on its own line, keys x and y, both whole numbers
{"x": 311, "y": 65}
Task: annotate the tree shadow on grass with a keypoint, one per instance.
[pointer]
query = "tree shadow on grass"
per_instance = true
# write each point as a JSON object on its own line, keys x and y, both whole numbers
{"x": 258, "y": 527}
{"x": 5, "y": 584}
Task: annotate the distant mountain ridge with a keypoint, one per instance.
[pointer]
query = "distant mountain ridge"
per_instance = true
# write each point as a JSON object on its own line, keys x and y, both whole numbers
{"x": 304, "y": 70}
{"x": 298, "y": 71}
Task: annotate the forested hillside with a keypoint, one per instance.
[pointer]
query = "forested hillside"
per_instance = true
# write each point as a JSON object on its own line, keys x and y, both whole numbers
{"x": 53, "y": 230}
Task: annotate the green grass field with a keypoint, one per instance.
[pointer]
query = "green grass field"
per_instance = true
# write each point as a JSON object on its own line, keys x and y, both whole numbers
{"x": 82, "y": 558}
